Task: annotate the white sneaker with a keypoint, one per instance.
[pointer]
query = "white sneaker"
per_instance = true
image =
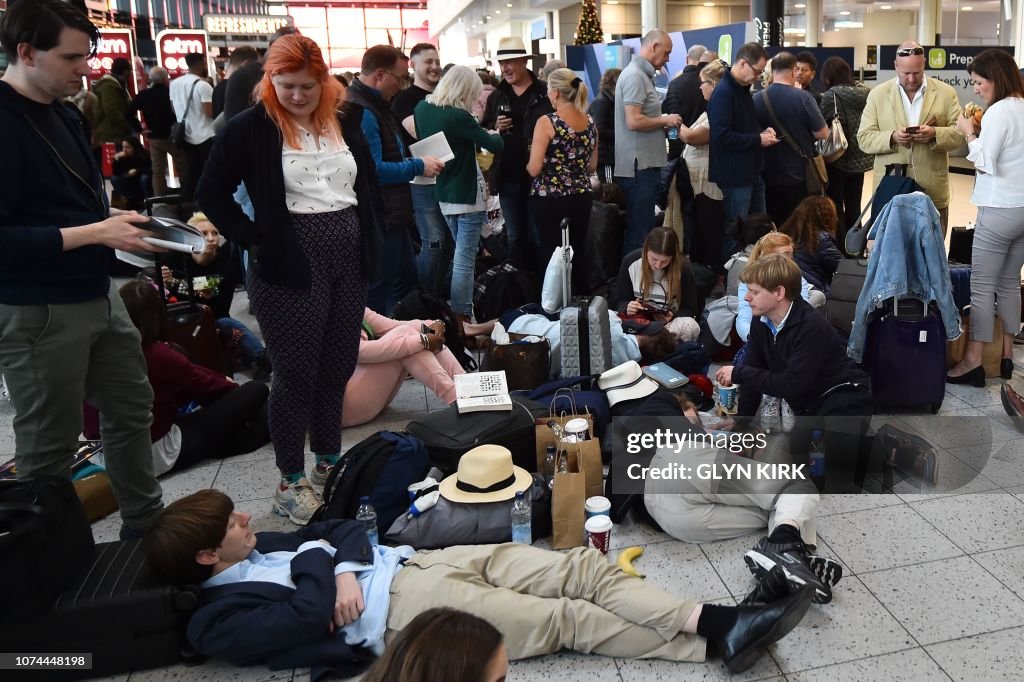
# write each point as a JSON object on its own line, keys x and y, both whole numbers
{"x": 770, "y": 413}
{"x": 319, "y": 475}
{"x": 787, "y": 417}
{"x": 298, "y": 501}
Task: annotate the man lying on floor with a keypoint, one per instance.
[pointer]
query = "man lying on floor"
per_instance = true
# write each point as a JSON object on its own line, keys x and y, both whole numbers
{"x": 323, "y": 597}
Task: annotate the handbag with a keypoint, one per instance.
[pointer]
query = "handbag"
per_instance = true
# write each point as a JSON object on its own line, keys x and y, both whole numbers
{"x": 178, "y": 129}
{"x": 526, "y": 365}
{"x": 836, "y": 144}
{"x": 815, "y": 173}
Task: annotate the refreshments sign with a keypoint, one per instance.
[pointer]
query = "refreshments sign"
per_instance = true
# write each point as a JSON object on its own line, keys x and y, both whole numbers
{"x": 172, "y": 46}
{"x": 115, "y": 43}
{"x": 244, "y": 24}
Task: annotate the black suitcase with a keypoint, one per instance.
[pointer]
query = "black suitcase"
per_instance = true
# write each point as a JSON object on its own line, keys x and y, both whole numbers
{"x": 448, "y": 434}
{"x": 120, "y": 612}
{"x": 905, "y": 355}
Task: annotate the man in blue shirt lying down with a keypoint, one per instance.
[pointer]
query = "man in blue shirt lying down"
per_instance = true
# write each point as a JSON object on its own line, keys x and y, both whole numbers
{"x": 323, "y": 597}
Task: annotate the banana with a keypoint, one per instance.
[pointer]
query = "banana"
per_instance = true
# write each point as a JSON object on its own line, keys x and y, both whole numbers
{"x": 625, "y": 560}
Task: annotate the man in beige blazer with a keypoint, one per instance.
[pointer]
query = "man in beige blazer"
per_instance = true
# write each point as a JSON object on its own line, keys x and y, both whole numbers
{"x": 912, "y": 120}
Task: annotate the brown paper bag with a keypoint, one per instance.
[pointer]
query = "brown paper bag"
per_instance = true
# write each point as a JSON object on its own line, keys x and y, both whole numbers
{"x": 991, "y": 354}
{"x": 568, "y": 498}
{"x": 546, "y": 436}
{"x": 585, "y": 458}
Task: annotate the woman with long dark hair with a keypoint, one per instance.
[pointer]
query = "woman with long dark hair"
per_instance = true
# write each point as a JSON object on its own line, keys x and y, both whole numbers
{"x": 658, "y": 280}
{"x": 845, "y": 99}
{"x": 316, "y": 204}
{"x": 996, "y": 147}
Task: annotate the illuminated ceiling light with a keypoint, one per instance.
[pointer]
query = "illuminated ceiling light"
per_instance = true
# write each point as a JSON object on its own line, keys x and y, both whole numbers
{"x": 612, "y": 2}
{"x": 844, "y": 13}
{"x": 709, "y": 4}
{"x": 886, "y": 7}
{"x": 488, "y": 17}
{"x": 966, "y": 9}
{"x": 800, "y": 6}
{"x": 497, "y": 11}
{"x": 508, "y": 4}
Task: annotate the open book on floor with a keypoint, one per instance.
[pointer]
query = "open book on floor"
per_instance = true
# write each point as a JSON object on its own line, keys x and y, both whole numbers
{"x": 482, "y": 392}
{"x": 168, "y": 233}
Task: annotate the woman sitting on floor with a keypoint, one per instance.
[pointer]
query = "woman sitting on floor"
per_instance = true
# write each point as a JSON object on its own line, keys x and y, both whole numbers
{"x": 813, "y": 225}
{"x": 197, "y": 413}
{"x": 389, "y": 350}
{"x": 657, "y": 280}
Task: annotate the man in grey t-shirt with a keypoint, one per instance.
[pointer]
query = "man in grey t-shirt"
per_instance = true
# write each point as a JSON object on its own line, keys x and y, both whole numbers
{"x": 640, "y": 135}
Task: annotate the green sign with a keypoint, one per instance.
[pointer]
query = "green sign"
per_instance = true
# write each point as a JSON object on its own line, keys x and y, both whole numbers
{"x": 725, "y": 46}
{"x": 936, "y": 58}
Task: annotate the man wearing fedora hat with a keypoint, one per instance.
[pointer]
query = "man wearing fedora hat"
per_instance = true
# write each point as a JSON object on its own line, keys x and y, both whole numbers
{"x": 640, "y": 135}
{"x": 526, "y": 99}
{"x": 324, "y": 597}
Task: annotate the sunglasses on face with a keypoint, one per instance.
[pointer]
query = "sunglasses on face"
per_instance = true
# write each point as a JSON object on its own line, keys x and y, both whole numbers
{"x": 909, "y": 51}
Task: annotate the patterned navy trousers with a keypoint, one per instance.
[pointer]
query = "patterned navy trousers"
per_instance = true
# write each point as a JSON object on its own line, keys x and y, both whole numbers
{"x": 312, "y": 337}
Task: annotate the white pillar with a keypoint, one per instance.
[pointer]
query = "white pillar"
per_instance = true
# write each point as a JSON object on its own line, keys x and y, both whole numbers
{"x": 813, "y": 14}
{"x": 652, "y": 15}
{"x": 929, "y": 21}
{"x": 1016, "y": 37}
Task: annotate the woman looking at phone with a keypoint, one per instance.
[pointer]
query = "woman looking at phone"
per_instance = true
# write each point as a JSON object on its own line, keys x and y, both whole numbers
{"x": 657, "y": 280}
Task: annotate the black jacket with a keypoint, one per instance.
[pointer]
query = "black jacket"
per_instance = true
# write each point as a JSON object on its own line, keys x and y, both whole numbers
{"x": 690, "y": 305}
{"x": 39, "y": 194}
{"x": 819, "y": 267}
{"x": 238, "y": 93}
{"x": 361, "y": 100}
{"x": 249, "y": 149}
{"x": 684, "y": 96}
{"x": 537, "y": 105}
{"x": 602, "y": 110}
{"x": 155, "y": 104}
{"x": 804, "y": 360}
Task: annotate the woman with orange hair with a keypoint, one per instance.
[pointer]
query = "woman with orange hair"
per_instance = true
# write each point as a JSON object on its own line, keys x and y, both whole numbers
{"x": 312, "y": 182}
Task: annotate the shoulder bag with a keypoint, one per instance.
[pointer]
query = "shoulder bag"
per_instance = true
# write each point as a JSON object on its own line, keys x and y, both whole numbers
{"x": 815, "y": 174}
{"x": 178, "y": 129}
{"x": 836, "y": 144}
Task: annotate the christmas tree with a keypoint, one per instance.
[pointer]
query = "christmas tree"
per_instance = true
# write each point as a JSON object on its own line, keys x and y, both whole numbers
{"x": 589, "y": 29}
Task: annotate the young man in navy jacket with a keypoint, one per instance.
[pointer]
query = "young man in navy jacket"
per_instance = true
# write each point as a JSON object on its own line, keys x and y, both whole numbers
{"x": 323, "y": 597}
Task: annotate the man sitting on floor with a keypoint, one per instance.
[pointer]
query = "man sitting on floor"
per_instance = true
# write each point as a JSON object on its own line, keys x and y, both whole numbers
{"x": 324, "y": 597}
{"x": 793, "y": 353}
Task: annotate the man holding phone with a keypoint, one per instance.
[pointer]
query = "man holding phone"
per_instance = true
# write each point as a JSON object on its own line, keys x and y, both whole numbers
{"x": 911, "y": 120}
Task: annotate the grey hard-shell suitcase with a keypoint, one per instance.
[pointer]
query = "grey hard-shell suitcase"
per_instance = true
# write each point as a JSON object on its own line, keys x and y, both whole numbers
{"x": 586, "y": 338}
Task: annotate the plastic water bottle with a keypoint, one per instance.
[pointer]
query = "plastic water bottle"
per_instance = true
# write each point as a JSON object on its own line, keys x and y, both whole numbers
{"x": 549, "y": 461}
{"x": 367, "y": 516}
{"x": 521, "y": 514}
{"x": 816, "y": 458}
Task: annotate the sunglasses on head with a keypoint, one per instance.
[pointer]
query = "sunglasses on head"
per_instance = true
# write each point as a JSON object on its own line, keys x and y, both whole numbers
{"x": 909, "y": 51}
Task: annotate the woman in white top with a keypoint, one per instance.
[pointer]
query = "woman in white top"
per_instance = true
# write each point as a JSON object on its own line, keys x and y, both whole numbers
{"x": 709, "y": 215}
{"x": 316, "y": 207}
{"x": 997, "y": 151}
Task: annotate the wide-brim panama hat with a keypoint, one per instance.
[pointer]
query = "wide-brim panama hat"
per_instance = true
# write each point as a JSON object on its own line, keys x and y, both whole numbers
{"x": 626, "y": 382}
{"x": 486, "y": 474}
{"x": 511, "y": 47}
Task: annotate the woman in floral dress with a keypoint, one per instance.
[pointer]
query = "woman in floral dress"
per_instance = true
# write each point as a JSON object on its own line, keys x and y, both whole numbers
{"x": 563, "y": 156}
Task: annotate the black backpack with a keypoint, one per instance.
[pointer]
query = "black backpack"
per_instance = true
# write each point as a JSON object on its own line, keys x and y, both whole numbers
{"x": 423, "y": 305}
{"x": 381, "y": 467}
{"x": 503, "y": 288}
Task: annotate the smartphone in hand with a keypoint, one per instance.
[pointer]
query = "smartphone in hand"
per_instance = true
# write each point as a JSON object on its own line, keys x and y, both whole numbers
{"x": 913, "y": 130}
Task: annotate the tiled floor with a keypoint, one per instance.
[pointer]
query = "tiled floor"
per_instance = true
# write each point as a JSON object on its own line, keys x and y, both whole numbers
{"x": 934, "y": 586}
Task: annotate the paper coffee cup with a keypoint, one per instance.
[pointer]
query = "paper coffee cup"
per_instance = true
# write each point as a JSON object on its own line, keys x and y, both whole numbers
{"x": 579, "y": 428}
{"x": 727, "y": 396}
{"x": 599, "y": 533}
{"x": 597, "y": 506}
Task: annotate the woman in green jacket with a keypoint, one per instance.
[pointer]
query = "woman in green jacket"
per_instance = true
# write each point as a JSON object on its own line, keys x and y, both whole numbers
{"x": 460, "y": 189}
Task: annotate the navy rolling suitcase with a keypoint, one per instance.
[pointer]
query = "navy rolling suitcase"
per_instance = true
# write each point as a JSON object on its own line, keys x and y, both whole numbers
{"x": 906, "y": 356}
{"x": 120, "y": 611}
